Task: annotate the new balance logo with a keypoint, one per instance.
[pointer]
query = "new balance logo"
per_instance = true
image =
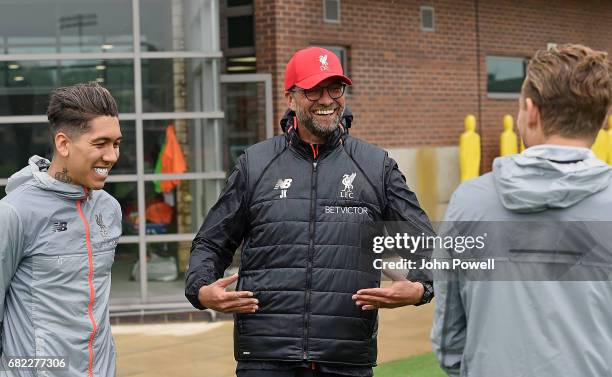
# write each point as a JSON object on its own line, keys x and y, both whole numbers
{"x": 60, "y": 226}
{"x": 283, "y": 185}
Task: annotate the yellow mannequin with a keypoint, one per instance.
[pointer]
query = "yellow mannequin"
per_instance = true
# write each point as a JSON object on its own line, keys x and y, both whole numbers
{"x": 600, "y": 146}
{"x": 508, "y": 143}
{"x": 610, "y": 140}
{"x": 469, "y": 150}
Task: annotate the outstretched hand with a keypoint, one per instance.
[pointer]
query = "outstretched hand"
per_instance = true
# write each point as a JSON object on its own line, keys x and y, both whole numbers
{"x": 214, "y": 296}
{"x": 400, "y": 293}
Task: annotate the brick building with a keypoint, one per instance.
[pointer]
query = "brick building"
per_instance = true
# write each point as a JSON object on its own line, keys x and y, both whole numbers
{"x": 419, "y": 67}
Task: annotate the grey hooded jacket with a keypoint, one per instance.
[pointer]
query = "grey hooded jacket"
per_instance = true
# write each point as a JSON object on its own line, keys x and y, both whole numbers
{"x": 530, "y": 328}
{"x": 57, "y": 245}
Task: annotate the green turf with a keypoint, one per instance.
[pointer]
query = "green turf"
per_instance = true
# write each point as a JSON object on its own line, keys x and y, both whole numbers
{"x": 424, "y": 365}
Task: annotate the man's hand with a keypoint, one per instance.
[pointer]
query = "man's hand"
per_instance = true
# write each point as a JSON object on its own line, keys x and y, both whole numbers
{"x": 400, "y": 293}
{"x": 214, "y": 296}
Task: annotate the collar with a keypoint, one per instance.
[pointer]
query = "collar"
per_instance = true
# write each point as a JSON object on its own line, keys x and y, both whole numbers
{"x": 314, "y": 151}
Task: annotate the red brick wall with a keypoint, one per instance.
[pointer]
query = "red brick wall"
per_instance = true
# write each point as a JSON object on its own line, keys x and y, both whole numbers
{"x": 414, "y": 88}
{"x": 512, "y": 31}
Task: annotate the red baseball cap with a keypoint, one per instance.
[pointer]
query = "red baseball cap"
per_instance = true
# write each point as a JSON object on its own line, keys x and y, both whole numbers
{"x": 310, "y": 66}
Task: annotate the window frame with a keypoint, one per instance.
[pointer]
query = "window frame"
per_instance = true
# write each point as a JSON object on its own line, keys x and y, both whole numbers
{"x": 332, "y": 20}
{"x": 423, "y": 9}
{"x": 211, "y": 111}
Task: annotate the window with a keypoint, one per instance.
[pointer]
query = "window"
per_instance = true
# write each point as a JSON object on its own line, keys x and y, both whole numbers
{"x": 427, "y": 19}
{"x": 238, "y": 3}
{"x": 166, "y": 73}
{"x": 505, "y": 76}
{"x": 239, "y": 36}
{"x": 60, "y": 26}
{"x": 331, "y": 11}
{"x": 166, "y": 91}
{"x": 241, "y": 64}
{"x": 240, "y": 31}
{"x": 178, "y": 25}
{"x": 25, "y": 84}
{"x": 245, "y": 118}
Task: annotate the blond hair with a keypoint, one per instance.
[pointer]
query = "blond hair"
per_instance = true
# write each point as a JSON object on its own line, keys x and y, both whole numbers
{"x": 572, "y": 87}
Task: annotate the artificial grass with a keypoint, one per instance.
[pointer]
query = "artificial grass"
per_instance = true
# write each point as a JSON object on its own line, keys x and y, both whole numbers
{"x": 424, "y": 365}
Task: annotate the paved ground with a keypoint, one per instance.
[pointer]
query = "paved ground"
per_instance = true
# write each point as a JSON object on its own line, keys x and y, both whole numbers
{"x": 205, "y": 349}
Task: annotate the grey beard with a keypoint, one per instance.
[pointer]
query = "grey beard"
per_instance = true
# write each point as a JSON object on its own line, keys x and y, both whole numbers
{"x": 317, "y": 129}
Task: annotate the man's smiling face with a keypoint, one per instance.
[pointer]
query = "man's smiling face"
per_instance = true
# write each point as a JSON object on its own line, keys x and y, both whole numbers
{"x": 93, "y": 153}
{"x": 322, "y": 116}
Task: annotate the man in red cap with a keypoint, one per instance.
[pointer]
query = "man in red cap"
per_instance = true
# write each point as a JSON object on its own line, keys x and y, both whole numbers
{"x": 305, "y": 206}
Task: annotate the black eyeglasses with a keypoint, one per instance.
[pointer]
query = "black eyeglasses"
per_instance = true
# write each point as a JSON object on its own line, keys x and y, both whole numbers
{"x": 335, "y": 91}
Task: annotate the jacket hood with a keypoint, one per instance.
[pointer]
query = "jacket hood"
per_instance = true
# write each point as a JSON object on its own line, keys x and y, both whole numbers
{"x": 36, "y": 174}
{"x": 549, "y": 176}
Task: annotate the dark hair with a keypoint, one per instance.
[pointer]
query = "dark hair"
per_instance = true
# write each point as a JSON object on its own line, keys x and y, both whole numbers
{"x": 72, "y": 107}
{"x": 572, "y": 86}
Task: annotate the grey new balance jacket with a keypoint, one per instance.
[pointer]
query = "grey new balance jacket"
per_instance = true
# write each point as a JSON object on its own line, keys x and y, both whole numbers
{"x": 57, "y": 245}
{"x": 530, "y": 328}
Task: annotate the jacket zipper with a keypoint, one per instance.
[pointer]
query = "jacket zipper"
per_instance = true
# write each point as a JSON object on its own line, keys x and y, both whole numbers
{"x": 91, "y": 289}
{"x": 313, "y": 204}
